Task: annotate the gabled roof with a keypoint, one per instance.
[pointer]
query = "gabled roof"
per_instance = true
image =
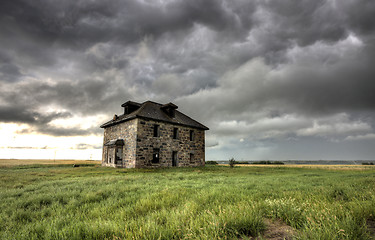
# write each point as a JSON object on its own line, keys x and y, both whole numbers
{"x": 154, "y": 111}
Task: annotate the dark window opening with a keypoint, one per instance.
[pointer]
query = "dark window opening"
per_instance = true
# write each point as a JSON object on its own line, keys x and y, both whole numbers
{"x": 191, "y": 135}
{"x": 118, "y": 155}
{"x": 156, "y": 155}
{"x": 174, "y": 159}
{"x": 191, "y": 157}
{"x": 175, "y": 133}
{"x": 156, "y": 130}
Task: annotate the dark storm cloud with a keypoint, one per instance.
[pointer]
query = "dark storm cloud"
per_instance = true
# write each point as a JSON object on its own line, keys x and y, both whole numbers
{"x": 8, "y": 71}
{"x": 39, "y": 122}
{"x": 313, "y": 59}
{"x": 20, "y": 114}
{"x": 81, "y": 23}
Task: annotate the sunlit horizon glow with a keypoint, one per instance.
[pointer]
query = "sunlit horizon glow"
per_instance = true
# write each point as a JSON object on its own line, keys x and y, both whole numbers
{"x": 37, "y": 146}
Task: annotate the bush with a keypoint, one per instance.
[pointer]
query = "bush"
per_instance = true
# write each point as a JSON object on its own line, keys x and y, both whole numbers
{"x": 232, "y": 162}
{"x": 211, "y": 162}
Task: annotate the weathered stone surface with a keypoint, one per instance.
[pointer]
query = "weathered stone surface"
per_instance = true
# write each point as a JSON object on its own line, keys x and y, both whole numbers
{"x": 139, "y": 144}
{"x": 126, "y": 131}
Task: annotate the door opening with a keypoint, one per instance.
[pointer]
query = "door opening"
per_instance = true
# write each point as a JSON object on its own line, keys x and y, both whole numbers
{"x": 174, "y": 159}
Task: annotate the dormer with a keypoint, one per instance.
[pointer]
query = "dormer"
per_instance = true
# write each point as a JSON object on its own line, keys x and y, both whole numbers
{"x": 169, "y": 109}
{"x": 130, "y": 107}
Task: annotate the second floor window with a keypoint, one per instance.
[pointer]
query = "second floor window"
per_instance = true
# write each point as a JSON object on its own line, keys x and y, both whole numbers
{"x": 156, "y": 130}
{"x": 191, "y": 135}
{"x": 175, "y": 133}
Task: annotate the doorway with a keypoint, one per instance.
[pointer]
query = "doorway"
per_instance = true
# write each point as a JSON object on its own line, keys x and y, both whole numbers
{"x": 174, "y": 159}
{"x": 118, "y": 155}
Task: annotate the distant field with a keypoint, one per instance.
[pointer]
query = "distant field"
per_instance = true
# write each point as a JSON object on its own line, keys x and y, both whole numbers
{"x": 17, "y": 162}
{"x": 337, "y": 167}
{"x": 212, "y": 202}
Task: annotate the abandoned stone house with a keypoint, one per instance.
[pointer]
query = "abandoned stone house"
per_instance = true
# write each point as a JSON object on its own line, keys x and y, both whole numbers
{"x": 152, "y": 135}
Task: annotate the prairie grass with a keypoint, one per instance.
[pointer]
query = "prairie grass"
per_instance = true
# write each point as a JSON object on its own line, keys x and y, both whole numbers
{"x": 212, "y": 202}
{"x": 38, "y": 162}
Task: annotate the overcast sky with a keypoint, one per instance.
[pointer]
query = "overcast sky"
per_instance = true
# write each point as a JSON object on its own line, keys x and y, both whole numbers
{"x": 289, "y": 79}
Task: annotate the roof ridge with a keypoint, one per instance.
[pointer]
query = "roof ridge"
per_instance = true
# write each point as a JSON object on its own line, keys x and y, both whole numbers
{"x": 148, "y": 101}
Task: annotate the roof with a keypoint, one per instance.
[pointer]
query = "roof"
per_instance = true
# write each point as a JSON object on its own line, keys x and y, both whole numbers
{"x": 117, "y": 142}
{"x": 154, "y": 111}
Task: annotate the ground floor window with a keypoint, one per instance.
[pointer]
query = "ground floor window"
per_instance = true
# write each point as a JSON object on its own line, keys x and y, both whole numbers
{"x": 156, "y": 155}
{"x": 191, "y": 157}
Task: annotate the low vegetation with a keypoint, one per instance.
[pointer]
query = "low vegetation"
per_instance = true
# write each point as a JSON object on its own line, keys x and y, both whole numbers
{"x": 211, "y": 163}
{"x": 368, "y": 163}
{"x": 212, "y": 202}
{"x": 268, "y": 162}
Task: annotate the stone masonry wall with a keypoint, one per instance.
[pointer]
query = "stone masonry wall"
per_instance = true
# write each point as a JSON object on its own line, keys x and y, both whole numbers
{"x": 128, "y": 132}
{"x": 146, "y": 142}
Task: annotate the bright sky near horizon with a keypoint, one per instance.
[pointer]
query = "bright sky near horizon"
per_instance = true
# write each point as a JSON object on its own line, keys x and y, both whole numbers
{"x": 271, "y": 79}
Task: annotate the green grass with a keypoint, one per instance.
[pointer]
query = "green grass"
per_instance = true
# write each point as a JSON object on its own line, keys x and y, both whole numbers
{"x": 213, "y": 202}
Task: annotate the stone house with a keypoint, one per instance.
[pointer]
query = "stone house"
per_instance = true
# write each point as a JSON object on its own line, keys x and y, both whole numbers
{"x": 150, "y": 135}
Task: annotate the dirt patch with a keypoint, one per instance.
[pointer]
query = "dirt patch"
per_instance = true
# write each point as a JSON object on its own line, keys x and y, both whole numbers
{"x": 276, "y": 230}
{"x": 371, "y": 228}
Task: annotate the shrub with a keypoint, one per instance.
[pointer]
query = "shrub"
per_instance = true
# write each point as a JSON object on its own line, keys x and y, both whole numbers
{"x": 232, "y": 162}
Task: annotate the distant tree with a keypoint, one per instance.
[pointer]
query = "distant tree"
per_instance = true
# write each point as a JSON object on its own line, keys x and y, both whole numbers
{"x": 232, "y": 162}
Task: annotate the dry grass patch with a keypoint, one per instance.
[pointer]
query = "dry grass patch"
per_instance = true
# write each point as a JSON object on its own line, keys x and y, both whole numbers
{"x": 311, "y": 166}
{"x": 20, "y": 162}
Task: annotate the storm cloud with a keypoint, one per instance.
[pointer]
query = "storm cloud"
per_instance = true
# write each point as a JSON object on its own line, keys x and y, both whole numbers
{"x": 261, "y": 74}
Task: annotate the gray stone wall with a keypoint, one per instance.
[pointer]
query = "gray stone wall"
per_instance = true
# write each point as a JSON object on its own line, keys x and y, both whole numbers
{"x": 126, "y": 131}
{"x": 146, "y": 143}
{"x": 138, "y": 135}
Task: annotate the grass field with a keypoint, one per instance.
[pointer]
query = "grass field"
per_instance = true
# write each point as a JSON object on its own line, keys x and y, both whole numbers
{"x": 18, "y": 162}
{"x": 212, "y": 202}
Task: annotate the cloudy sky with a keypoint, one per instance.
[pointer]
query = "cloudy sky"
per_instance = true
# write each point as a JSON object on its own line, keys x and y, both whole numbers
{"x": 291, "y": 79}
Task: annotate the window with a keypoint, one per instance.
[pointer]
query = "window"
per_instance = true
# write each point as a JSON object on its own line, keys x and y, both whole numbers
{"x": 156, "y": 130}
{"x": 191, "y": 157}
{"x": 156, "y": 155}
{"x": 191, "y": 135}
{"x": 175, "y": 133}
{"x": 174, "y": 159}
